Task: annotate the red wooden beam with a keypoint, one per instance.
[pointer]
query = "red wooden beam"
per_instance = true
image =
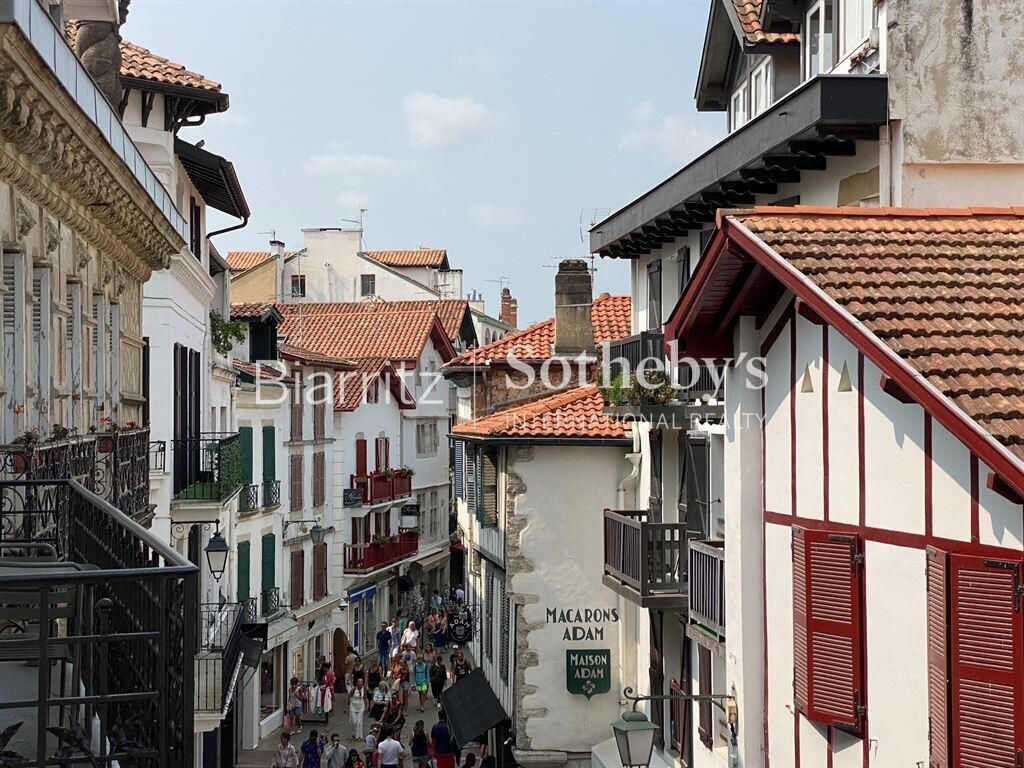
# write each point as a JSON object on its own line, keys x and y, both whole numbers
{"x": 894, "y": 390}
{"x": 996, "y": 484}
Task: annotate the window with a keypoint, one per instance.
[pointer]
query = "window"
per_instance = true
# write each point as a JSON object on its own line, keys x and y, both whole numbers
{"x": 298, "y": 579}
{"x": 459, "y": 468}
{"x": 856, "y": 18}
{"x": 435, "y": 515}
{"x": 245, "y": 442}
{"x": 361, "y": 457}
{"x": 268, "y": 580}
{"x": 269, "y": 455}
{"x": 705, "y": 729}
{"x": 319, "y": 474}
{"x": 242, "y": 580}
{"x": 654, "y": 503}
{"x": 295, "y": 482}
{"x": 145, "y": 379}
{"x": 98, "y": 353}
{"x": 319, "y": 420}
{"x": 319, "y": 571}
{"x": 975, "y": 660}
{"x": 471, "y": 478}
{"x": 504, "y": 636}
{"x": 296, "y": 408}
{"x": 382, "y": 456}
{"x": 367, "y": 285}
{"x": 426, "y": 438}
{"x": 114, "y": 358}
{"x": 654, "y": 295}
{"x": 828, "y": 638}
{"x": 73, "y": 357}
{"x": 656, "y": 674}
{"x": 817, "y": 39}
{"x": 41, "y": 346}
{"x": 488, "y": 510}
{"x": 761, "y": 87}
{"x": 298, "y": 286}
{"x": 195, "y": 228}
{"x": 683, "y": 267}
{"x": 13, "y": 300}
{"x": 489, "y": 617}
{"x": 738, "y": 107}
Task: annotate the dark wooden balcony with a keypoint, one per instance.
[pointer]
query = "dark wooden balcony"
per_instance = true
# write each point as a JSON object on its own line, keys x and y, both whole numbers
{"x": 645, "y": 561}
{"x": 634, "y": 349}
{"x": 99, "y": 630}
{"x": 707, "y": 586}
{"x": 364, "y": 558}
{"x": 382, "y": 486}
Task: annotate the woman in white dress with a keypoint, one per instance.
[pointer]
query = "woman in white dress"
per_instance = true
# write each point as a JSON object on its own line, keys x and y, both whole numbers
{"x": 357, "y": 698}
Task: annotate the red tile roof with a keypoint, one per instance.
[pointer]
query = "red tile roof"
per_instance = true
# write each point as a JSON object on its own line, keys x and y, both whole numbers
{"x": 576, "y": 413}
{"x": 449, "y": 311}
{"x": 610, "y": 316}
{"x": 241, "y": 261}
{"x": 418, "y": 257}
{"x": 748, "y": 13}
{"x": 251, "y": 310}
{"x": 261, "y": 372}
{"x": 354, "y": 330}
{"x": 350, "y": 386}
{"x": 943, "y": 288}
{"x": 312, "y": 358}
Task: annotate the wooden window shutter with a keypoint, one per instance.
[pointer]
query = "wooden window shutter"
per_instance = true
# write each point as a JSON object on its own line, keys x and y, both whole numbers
{"x": 320, "y": 571}
{"x": 938, "y": 660}
{"x": 318, "y": 421}
{"x": 704, "y": 717}
{"x": 489, "y": 487}
{"x": 460, "y": 476}
{"x": 318, "y": 478}
{"x": 378, "y": 458}
{"x": 267, "y": 577}
{"x": 360, "y": 456}
{"x": 387, "y": 452}
{"x": 985, "y": 648}
{"x": 242, "y": 582}
{"x": 489, "y": 613}
{"x": 800, "y": 674}
{"x": 269, "y": 454}
{"x": 470, "y": 478}
{"x": 295, "y": 482}
{"x": 298, "y": 584}
{"x": 833, "y": 643}
{"x": 245, "y": 439}
{"x": 296, "y": 412}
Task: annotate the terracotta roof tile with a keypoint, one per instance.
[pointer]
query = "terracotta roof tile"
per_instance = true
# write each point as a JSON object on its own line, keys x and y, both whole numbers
{"x": 449, "y": 311}
{"x": 748, "y": 13}
{"x": 252, "y": 309}
{"x": 610, "y": 316}
{"x": 262, "y": 372}
{"x": 573, "y": 413}
{"x": 350, "y": 386}
{"x": 418, "y": 257}
{"x": 311, "y": 357}
{"x": 943, "y": 288}
{"x": 240, "y": 261}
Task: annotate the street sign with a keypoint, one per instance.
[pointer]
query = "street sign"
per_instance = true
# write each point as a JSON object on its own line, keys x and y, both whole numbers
{"x": 588, "y": 672}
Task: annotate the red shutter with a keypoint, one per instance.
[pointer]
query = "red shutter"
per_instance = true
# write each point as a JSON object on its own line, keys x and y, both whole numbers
{"x": 800, "y": 689}
{"x": 320, "y": 571}
{"x": 987, "y": 670}
{"x": 938, "y": 660}
{"x": 387, "y": 452}
{"x": 360, "y": 456}
{"x": 298, "y": 585}
{"x": 295, "y": 482}
{"x": 834, "y": 637}
{"x": 378, "y": 450}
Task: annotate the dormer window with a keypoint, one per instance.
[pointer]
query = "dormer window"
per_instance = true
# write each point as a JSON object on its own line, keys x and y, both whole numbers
{"x": 818, "y": 39}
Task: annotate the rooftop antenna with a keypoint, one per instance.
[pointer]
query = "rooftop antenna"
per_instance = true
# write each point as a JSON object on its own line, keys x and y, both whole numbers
{"x": 501, "y": 280}
{"x": 589, "y": 217}
{"x": 271, "y": 232}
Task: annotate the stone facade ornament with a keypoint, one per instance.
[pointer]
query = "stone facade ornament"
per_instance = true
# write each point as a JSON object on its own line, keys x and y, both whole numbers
{"x": 52, "y": 236}
{"x": 24, "y": 219}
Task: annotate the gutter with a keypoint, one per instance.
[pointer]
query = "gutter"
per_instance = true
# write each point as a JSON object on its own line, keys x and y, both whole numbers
{"x": 227, "y": 229}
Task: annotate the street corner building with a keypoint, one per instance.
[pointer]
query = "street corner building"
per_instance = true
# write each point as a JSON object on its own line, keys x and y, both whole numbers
{"x": 534, "y": 468}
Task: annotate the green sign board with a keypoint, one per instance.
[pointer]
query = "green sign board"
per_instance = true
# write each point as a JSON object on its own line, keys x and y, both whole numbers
{"x": 588, "y": 672}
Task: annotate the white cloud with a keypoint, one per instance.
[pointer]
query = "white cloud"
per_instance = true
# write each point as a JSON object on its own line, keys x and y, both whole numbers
{"x": 341, "y": 160}
{"x": 671, "y": 135}
{"x": 489, "y": 215}
{"x": 353, "y": 200}
{"x": 436, "y": 121}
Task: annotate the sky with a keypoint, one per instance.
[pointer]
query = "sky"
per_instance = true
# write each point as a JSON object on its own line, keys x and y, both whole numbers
{"x": 483, "y": 128}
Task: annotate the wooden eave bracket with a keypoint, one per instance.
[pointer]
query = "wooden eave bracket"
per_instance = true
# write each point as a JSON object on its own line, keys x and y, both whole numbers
{"x": 894, "y": 390}
{"x": 996, "y": 484}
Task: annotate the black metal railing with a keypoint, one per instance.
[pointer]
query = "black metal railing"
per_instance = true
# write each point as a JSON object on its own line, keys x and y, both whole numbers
{"x": 103, "y": 613}
{"x": 270, "y": 601}
{"x": 706, "y": 383}
{"x": 217, "y": 660}
{"x": 271, "y": 493}
{"x": 647, "y": 558}
{"x": 208, "y": 467}
{"x": 157, "y": 455}
{"x": 74, "y": 456}
{"x": 249, "y": 499}
{"x": 707, "y": 585}
{"x": 633, "y": 349}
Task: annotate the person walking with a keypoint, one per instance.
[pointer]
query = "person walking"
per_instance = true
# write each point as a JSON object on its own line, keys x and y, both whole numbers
{"x": 383, "y": 645}
{"x": 354, "y": 760}
{"x": 441, "y": 738}
{"x": 374, "y": 674}
{"x": 295, "y": 704}
{"x": 285, "y": 755}
{"x": 438, "y": 677}
{"x": 389, "y": 751}
{"x": 312, "y": 750}
{"x": 421, "y": 679}
{"x": 381, "y": 697}
{"x": 335, "y": 752}
{"x": 419, "y": 745}
{"x": 396, "y": 636}
{"x": 358, "y": 673}
{"x": 437, "y": 602}
{"x": 411, "y": 635}
{"x": 357, "y": 701}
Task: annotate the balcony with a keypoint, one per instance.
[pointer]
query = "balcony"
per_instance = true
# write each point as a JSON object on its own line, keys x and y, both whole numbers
{"x": 249, "y": 499}
{"x": 271, "y": 493}
{"x": 208, "y": 467}
{"x": 270, "y": 602}
{"x": 635, "y": 348}
{"x": 224, "y": 649}
{"x": 98, "y": 633}
{"x": 158, "y": 456}
{"x": 707, "y": 586}
{"x": 364, "y": 558}
{"x": 645, "y": 561}
{"x": 378, "y": 487}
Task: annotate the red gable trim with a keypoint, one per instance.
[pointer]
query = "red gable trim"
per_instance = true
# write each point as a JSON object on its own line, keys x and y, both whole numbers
{"x": 441, "y": 340}
{"x": 962, "y": 426}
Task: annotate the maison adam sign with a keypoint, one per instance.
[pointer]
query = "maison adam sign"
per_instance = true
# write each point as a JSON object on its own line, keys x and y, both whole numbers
{"x": 588, "y": 672}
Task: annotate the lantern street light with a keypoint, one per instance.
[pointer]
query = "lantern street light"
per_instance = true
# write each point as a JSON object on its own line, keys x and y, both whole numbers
{"x": 217, "y": 555}
{"x": 316, "y": 533}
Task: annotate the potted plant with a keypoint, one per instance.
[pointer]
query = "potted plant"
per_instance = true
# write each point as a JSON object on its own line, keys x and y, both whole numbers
{"x": 60, "y": 432}
{"x": 404, "y": 471}
{"x": 388, "y": 473}
{"x": 21, "y": 457}
{"x": 105, "y": 443}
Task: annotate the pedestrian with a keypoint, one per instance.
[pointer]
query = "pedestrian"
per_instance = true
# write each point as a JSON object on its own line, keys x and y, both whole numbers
{"x": 441, "y": 635}
{"x": 460, "y": 594}
{"x": 285, "y": 756}
{"x": 438, "y": 677}
{"x": 470, "y": 760}
{"x": 351, "y": 657}
{"x": 436, "y": 602}
{"x": 383, "y": 644}
{"x": 403, "y": 622}
{"x": 328, "y": 675}
{"x": 393, "y": 718}
{"x": 462, "y": 667}
{"x": 335, "y": 752}
{"x": 295, "y": 704}
{"x": 312, "y": 750}
{"x": 411, "y": 635}
{"x": 441, "y": 738}
{"x": 396, "y": 636}
{"x": 404, "y": 683}
{"x": 381, "y": 697}
{"x": 419, "y": 745}
{"x": 370, "y": 747}
{"x": 358, "y": 673}
{"x": 354, "y": 760}
{"x": 389, "y": 750}
{"x": 374, "y": 674}
{"x": 357, "y": 700}
{"x": 421, "y": 679}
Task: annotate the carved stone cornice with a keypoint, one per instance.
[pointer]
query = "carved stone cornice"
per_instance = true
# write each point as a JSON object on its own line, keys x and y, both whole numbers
{"x": 189, "y": 273}
{"x": 54, "y": 155}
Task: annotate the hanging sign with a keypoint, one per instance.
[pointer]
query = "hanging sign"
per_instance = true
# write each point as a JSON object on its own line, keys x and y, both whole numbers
{"x": 588, "y": 672}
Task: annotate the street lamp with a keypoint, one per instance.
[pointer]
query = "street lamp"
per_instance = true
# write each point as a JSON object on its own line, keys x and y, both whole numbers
{"x": 217, "y": 555}
{"x": 634, "y": 736}
{"x": 316, "y": 533}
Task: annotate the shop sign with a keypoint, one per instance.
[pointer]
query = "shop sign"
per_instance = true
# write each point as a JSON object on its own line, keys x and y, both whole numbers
{"x": 588, "y": 672}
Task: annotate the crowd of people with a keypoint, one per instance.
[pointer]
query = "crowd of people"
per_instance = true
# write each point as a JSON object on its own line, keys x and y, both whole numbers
{"x": 407, "y": 671}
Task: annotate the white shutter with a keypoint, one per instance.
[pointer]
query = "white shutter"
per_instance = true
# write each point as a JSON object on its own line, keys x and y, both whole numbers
{"x": 13, "y": 339}
{"x": 41, "y": 345}
{"x": 114, "y": 337}
{"x": 99, "y": 355}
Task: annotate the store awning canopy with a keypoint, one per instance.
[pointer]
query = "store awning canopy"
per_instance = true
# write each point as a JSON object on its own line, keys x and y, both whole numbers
{"x": 472, "y": 707}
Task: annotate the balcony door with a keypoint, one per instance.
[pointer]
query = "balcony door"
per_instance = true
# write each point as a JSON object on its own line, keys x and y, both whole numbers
{"x": 657, "y": 676}
{"x": 654, "y": 505}
{"x": 186, "y": 416}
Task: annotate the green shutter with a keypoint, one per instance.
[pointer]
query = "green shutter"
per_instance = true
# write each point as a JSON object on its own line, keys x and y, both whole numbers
{"x": 245, "y": 436}
{"x": 243, "y": 571}
{"x": 269, "y": 455}
{"x": 269, "y": 548}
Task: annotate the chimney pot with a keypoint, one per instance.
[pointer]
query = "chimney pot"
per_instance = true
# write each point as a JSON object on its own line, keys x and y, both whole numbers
{"x": 574, "y": 331}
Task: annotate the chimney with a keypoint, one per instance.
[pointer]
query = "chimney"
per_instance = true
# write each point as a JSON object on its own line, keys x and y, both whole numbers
{"x": 509, "y": 312}
{"x": 574, "y": 332}
{"x": 277, "y": 248}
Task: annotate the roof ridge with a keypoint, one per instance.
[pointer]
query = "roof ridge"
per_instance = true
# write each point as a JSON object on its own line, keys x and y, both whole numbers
{"x": 878, "y": 212}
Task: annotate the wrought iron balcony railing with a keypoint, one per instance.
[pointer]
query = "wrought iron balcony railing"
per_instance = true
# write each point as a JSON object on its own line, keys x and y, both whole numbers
{"x": 645, "y": 561}
{"x": 219, "y": 656}
{"x": 707, "y": 585}
{"x": 208, "y": 467}
{"x": 634, "y": 349}
{"x": 271, "y": 493}
{"x": 249, "y": 499}
{"x": 270, "y": 601}
{"x": 157, "y": 455}
{"x": 103, "y": 613}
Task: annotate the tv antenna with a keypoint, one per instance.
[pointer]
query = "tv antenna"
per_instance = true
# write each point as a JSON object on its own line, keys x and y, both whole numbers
{"x": 589, "y": 217}
{"x": 271, "y": 232}
{"x": 503, "y": 281}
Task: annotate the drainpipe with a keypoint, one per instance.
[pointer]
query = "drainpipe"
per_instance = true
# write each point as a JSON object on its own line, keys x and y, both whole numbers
{"x": 629, "y": 481}
{"x": 216, "y": 232}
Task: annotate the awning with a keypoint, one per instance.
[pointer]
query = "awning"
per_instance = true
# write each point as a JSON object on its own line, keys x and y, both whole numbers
{"x": 429, "y": 560}
{"x": 214, "y": 177}
{"x": 472, "y": 707}
{"x": 362, "y": 593}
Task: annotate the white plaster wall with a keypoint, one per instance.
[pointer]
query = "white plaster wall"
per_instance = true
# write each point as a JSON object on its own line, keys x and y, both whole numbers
{"x": 562, "y": 532}
{"x": 809, "y": 423}
{"x": 999, "y": 520}
{"x": 777, "y": 451}
{"x": 822, "y": 187}
{"x": 951, "y": 486}
{"x": 813, "y": 744}
{"x": 843, "y": 454}
{"x": 778, "y": 581}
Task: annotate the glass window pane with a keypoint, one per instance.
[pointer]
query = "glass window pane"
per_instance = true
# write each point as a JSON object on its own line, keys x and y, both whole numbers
{"x": 814, "y": 42}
